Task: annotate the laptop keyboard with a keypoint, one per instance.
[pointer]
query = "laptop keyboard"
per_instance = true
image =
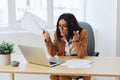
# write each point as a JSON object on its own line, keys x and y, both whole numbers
{"x": 52, "y": 62}
{"x": 55, "y": 62}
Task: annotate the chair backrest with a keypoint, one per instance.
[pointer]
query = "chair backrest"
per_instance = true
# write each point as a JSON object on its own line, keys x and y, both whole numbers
{"x": 91, "y": 40}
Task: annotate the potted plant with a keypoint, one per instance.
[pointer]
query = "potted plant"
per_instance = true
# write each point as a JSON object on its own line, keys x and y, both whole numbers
{"x": 6, "y": 49}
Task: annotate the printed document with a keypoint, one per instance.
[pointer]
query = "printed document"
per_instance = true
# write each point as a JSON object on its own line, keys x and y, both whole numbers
{"x": 33, "y": 23}
{"x": 77, "y": 63}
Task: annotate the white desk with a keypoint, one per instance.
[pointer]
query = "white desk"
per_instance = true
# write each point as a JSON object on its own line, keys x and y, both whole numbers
{"x": 100, "y": 67}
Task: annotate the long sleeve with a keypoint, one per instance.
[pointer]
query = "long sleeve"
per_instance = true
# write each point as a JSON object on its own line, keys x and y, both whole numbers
{"x": 55, "y": 47}
{"x": 81, "y": 45}
{"x": 52, "y": 50}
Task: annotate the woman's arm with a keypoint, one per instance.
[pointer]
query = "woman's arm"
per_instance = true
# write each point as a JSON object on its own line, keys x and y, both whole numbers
{"x": 80, "y": 43}
{"x": 51, "y": 47}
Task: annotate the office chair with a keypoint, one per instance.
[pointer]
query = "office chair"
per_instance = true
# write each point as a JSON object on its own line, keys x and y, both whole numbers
{"x": 91, "y": 42}
{"x": 91, "y": 39}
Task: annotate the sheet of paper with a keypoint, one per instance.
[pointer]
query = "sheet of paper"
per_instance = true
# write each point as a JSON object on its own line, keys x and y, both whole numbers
{"x": 33, "y": 23}
{"x": 77, "y": 63}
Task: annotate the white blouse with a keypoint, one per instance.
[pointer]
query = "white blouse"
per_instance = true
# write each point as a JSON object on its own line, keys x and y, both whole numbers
{"x": 69, "y": 49}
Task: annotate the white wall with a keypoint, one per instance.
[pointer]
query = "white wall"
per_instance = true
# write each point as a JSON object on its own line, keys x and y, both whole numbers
{"x": 101, "y": 14}
{"x": 6, "y": 76}
{"x": 118, "y": 28}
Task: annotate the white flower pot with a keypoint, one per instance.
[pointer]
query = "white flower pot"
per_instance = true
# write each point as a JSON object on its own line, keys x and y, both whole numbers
{"x": 5, "y": 59}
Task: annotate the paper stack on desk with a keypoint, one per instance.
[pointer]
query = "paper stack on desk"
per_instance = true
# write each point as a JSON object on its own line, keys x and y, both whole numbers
{"x": 77, "y": 63}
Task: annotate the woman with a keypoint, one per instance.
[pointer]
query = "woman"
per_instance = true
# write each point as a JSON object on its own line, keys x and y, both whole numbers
{"x": 69, "y": 39}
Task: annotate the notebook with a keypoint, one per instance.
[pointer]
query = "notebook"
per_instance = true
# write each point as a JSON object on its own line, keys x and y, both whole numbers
{"x": 37, "y": 55}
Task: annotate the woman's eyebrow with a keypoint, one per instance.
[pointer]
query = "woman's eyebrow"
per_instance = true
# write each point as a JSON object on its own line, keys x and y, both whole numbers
{"x": 63, "y": 24}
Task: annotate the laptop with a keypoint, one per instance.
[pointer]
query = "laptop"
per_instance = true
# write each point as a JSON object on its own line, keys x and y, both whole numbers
{"x": 37, "y": 55}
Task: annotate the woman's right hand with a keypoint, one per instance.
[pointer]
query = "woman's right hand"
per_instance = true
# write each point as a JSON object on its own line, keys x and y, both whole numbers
{"x": 46, "y": 35}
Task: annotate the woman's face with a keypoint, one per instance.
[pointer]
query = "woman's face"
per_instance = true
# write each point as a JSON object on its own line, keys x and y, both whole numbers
{"x": 63, "y": 27}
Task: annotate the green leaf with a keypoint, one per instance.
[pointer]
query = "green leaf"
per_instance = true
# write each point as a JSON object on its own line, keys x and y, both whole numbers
{"x": 6, "y": 48}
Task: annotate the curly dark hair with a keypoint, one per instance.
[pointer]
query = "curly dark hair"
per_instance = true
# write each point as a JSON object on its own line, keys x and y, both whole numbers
{"x": 72, "y": 25}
